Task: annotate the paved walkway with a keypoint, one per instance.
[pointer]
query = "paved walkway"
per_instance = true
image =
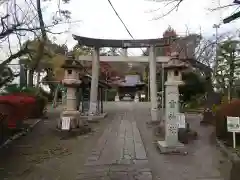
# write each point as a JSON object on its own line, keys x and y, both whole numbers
{"x": 119, "y": 153}
{"x": 121, "y": 148}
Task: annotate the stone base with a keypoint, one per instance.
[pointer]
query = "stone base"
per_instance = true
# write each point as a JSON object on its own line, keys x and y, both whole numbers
{"x": 177, "y": 149}
{"x": 136, "y": 98}
{"x": 94, "y": 118}
{"x": 75, "y": 119}
{"x": 154, "y": 115}
{"x": 116, "y": 99}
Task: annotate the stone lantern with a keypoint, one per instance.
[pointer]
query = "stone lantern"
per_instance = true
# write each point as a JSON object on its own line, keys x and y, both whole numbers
{"x": 174, "y": 69}
{"x": 70, "y": 117}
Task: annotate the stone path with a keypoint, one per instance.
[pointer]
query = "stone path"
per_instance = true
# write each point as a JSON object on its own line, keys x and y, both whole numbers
{"x": 119, "y": 153}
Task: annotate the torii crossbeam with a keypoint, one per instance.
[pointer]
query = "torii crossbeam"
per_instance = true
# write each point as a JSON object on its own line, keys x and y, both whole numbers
{"x": 115, "y": 43}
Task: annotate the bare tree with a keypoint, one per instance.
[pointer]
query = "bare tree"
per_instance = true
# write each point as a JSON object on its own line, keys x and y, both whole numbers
{"x": 172, "y": 5}
{"x": 226, "y": 6}
{"x": 19, "y": 20}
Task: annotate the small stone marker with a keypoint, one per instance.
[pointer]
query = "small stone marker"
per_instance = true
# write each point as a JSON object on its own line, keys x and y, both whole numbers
{"x": 181, "y": 120}
{"x": 66, "y": 123}
{"x": 233, "y": 125}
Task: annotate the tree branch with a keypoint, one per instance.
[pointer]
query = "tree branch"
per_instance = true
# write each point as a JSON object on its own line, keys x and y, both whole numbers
{"x": 175, "y": 7}
{"x": 20, "y": 53}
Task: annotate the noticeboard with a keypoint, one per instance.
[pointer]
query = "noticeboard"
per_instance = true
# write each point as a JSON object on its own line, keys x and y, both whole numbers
{"x": 233, "y": 124}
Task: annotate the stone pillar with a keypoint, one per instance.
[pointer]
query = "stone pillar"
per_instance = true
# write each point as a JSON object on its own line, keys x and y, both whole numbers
{"x": 136, "y": 98}
{"x": 153, "y": 84}
{"x": 94, "y": 82}
{"x": 117, "y": 98}
{"x": 124, "y": 52}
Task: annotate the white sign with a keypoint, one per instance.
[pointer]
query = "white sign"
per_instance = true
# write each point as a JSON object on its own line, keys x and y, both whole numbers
{"x": 233, "y": 124}
{"x": 181, "y": 120}
{"x": 66, "y": 123}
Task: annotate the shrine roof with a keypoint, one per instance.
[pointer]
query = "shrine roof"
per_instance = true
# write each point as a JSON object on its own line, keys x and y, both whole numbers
{"x": 125, "y": 84}
{"x": 120, "y": 43}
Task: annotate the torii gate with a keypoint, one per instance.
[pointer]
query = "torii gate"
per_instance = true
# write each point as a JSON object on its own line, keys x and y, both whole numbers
{"x": 124, "y": 44}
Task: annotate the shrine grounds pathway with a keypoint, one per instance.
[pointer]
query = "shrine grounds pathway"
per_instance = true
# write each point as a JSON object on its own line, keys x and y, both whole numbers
{"x": 121, "y": 147}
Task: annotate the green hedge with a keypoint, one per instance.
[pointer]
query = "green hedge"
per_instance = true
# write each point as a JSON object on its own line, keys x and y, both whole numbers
{"x": 109, "y": 94}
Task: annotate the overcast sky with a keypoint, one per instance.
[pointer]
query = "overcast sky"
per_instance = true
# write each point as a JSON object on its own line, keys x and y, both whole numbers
{"x": 100, "y": 21}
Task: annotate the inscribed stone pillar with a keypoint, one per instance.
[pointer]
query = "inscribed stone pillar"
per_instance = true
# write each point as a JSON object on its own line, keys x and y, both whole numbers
{"x": 94, "y": 82}
{"x": 172, "y": 110}
{"x": 153, "y": 84}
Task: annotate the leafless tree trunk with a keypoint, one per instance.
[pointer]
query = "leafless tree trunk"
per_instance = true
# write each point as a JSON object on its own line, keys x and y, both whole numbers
{"x": 43, "y": 37}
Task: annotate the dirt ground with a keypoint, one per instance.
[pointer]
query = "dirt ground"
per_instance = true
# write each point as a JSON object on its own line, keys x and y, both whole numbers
{"x": 45, "y": 151}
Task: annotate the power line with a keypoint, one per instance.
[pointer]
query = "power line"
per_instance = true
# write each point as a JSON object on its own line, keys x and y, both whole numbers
{"x": 125, "y": 26}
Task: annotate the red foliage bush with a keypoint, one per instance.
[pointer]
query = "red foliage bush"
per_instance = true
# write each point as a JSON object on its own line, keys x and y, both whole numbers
{"x": 227, "y": 109}
{"x": 19, "y": 108}
{"x": 37, "y": 107}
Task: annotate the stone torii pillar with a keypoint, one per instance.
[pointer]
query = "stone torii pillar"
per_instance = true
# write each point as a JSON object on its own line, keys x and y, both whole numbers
{"x": 94, "y": 83}
{"x": 153, "y": 84}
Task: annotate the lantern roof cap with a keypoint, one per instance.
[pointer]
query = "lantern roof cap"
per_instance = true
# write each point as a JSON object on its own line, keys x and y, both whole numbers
{"x": 176, "y": 63}
{"x": 71, "y": 63}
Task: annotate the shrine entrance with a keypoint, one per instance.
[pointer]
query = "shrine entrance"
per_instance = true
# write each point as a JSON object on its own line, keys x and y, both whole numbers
{"x": 129, "y": 88}
{"x": 96, "y": 44}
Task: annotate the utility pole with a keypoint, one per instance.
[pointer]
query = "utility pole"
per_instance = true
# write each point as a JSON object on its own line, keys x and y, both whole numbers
{"x": 216, "y": 26}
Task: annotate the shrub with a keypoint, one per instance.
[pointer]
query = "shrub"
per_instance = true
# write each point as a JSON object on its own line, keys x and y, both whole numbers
{"x": 226, "y": 109}
{"x": 37, "y": 93}
{"x": 111, "y": 93}
{"x": 41, "y": 101}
